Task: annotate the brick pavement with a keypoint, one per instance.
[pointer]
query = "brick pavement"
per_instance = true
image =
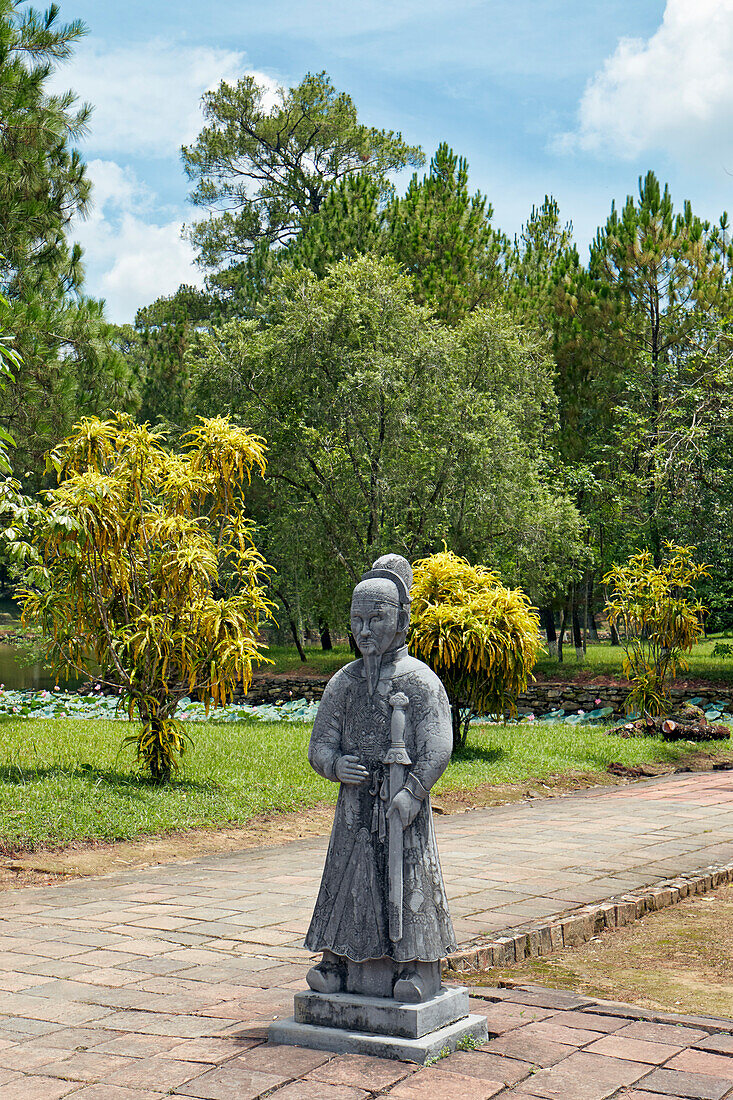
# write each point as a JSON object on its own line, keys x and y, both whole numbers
{"x": 162, "y": 981}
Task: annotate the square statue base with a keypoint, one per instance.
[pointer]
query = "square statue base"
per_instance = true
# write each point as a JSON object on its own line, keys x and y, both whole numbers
{"x": 350, "y": 1024}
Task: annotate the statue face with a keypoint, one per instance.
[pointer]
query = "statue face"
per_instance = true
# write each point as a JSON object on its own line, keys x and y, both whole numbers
{"x": 374, "y": 617}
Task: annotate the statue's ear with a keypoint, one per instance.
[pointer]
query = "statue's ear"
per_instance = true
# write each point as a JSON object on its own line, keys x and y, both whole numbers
{"x": 403, "y": 620}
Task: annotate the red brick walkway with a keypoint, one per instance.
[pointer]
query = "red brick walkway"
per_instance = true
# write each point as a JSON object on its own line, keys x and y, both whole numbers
{"x": 163, "y": 981}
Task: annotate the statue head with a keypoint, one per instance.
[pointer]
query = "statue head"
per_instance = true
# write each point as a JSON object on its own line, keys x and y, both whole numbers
{"x": 380, "y": 611}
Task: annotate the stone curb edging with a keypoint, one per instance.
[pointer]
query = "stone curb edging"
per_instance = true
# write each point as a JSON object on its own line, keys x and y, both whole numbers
{"x": 577, "y": 926}
{"x": 539, "y": 996}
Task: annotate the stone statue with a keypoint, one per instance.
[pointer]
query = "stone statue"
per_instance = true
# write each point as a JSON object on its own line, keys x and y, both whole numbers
{"x": 383, "y": 731}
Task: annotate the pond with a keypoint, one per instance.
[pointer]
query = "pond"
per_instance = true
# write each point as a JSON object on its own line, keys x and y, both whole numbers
{"x": 16, "y": 673}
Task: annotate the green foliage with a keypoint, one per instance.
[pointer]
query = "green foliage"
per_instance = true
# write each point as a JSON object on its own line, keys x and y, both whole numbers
{"x": 9, "y": 360}
{"x": 148, "y": 570}
{"x": 17, "y": 511}
{"x": 389, "y": 431}
{"x": 444, "y": 240}
{"x": 262, "y": 170}
{"x": 655, "y": 610}
{"x": 662, "y": 276}
{"x": 68, "y": 364}
{"x": 156, "y": 350}
{"x": 349, "y": 223}
{"x": 480, "y": 638}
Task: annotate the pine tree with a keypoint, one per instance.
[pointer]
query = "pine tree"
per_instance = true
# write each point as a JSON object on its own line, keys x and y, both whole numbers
{"x": 263, "y": 172}
{"x": 444, "y": 239}
{"x": 664, "y": 274}
{"x": 164, "y": 333}
{"x": 68, "y": 364}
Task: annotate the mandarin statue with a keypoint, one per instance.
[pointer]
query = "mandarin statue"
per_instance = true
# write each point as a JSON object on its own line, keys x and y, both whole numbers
{"x": 383, "y": 731}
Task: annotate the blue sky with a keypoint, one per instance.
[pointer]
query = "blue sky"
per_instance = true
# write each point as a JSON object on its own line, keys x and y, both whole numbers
{"x": 572, "y": 97}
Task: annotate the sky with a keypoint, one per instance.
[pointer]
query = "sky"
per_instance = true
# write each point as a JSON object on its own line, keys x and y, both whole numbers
{"x": 575, "y": 98}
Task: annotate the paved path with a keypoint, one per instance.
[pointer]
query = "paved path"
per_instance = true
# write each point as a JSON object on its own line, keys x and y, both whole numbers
{"x": 134, "y": 986}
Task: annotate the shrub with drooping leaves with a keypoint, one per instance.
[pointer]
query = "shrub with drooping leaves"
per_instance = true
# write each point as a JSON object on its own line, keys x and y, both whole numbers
{"x": 659, "y": 619}
{"x": 148, "y": 573}
{"x": 481, "y": 638}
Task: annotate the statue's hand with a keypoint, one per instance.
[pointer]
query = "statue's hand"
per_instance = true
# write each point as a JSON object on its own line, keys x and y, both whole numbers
{"x": 349, "y": 770}
{"x": 406, "y": 806}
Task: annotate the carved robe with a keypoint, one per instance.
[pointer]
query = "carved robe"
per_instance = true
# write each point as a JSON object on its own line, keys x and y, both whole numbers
{"x": 351, "y": 913}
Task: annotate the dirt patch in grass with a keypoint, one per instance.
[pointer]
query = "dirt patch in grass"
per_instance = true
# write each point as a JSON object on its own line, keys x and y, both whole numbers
{"x": 48, "y": 865}
{"x": 96, "y": 857}
{"x": 678, "y": 960}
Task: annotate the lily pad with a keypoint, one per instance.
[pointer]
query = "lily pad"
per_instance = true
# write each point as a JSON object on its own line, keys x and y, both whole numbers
{"x": 62, "y": 704}
{"x": 599, "y": 713}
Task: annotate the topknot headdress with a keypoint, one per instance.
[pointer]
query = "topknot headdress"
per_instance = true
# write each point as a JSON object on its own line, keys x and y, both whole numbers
{"x": 394, "y": 568}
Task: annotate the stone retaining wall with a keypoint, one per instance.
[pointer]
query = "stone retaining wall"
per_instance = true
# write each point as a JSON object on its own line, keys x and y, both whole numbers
{"x": 538, "y": 699}
{"x": 543, "y": 698}
{"x": 275, "y": 690}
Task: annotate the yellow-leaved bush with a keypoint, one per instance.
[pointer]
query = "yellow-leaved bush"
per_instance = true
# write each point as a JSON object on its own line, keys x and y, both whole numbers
{"x": 148, "y": 572}
{"x": 481, "y": 638}
{"x": 659, "y": 619}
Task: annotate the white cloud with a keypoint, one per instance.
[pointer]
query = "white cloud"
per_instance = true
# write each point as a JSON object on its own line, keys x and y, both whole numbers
{"x": 131, "y": 255}
{"x": 671, "y": 93}
{"x": 146, "y": 96}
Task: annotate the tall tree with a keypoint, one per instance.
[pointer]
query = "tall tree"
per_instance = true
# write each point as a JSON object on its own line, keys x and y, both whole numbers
{"x": 444, "y": 239}
{"x": 163, "y": 330}
{"x": 387, "y": 428}
{"x": 68, "y": 364}
{"x": 543, "y": 269}
{"x": 542, "y": 245}
{"x": 666, "y": 275}
{"x": 262, "y": 169}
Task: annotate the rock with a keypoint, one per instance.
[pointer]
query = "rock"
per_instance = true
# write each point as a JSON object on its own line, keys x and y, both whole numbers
{"x": 688, "y": 713}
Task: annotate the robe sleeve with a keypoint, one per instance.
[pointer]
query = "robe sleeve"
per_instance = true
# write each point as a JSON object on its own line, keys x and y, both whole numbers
{"x": 433, "y": 739}
{"x": 325, "y": 744}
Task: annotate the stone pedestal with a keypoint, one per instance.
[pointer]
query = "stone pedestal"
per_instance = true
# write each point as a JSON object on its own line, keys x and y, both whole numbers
{"x": 381, "y": 1026}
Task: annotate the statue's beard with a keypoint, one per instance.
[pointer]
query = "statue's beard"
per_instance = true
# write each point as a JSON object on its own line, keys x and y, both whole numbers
{"x": 372, "y": 668}
{"x": 373, "y": 663}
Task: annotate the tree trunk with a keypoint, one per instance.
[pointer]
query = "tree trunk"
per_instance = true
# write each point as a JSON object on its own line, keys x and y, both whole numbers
{"x": 547, "y": 619}
{"x": 293, "y": 625}
{"x": 592, "y": 618}
{"x": 296, "y": 639}
{"x": 352, "y": 644}
{"x": 460, "y": 722}
{"x": 563, "y": 624}
{"x": 577, "y": 634}
{"x": 154, "y": 748}
{"x": 614, "y": 634}
{"x": 325, "y": 633}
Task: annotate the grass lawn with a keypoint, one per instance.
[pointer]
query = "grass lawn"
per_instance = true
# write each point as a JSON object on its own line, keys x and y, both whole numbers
{"x": 602, "y": 659}
{"x": 285, "y": 658}
{"x": 605, "y": 660}
{"x": 680, "y": 959}
{"x": 63, "y": 780}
